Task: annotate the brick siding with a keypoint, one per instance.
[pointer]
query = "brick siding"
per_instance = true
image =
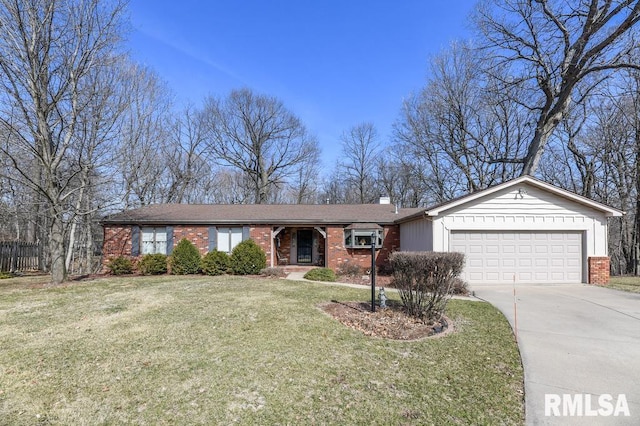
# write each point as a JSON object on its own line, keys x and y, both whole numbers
{"x": 599, "y": 270}
{"x": 261, "y": 234}
{"x": 117, "y": 242}
{"x": 198, "y": 235}
{"x": 340, "y": 255}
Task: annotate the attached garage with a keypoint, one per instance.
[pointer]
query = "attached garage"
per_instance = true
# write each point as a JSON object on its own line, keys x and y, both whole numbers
{"x": 524, "y": 229}
{"x": 524, "y": 256}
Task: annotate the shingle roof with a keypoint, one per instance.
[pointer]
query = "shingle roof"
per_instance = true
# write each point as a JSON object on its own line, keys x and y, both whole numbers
{"x": 165, "y": 214}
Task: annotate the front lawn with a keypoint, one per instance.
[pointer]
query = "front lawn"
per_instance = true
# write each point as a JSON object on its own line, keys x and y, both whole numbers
{"x": 631, "y": 284}
{"x": 199, "y": 350}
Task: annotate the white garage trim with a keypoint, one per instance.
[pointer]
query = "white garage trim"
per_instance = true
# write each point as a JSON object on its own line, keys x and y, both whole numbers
{"x": 526, "y": 256}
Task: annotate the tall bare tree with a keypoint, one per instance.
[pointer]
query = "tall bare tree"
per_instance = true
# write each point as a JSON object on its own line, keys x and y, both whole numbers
{"x": 561, "y": 51}
{"x": 188, "y": 171}
{"x": 48, "y": 49}
{"x": 358, "y": 164}
{"x": 144, "y": 137}
{"x": 257, "y": 135}
{"x": 459, "y": 123}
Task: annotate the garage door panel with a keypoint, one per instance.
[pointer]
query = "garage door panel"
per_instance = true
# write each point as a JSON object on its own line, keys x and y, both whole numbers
{"x": 557, "y": 262}
{"x": 572, "y": 263}
{"x": 475, "y": 263}
{"x": 492, "y": 249}
{"x": 541, "y": 263}
{"x": 475, "y": 248}
{"x": 534, "y": 256}
{"x": 492, "y": 262}
{"x": 541, "y": 248}
{"x": 574, "y": 248}
{"x": 508, "y": 248}
{"x": 525, "y": 263}
{"x": 524, "y": 249}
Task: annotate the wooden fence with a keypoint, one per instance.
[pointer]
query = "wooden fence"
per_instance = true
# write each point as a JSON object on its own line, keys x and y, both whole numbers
{"x": 19, "y": 256}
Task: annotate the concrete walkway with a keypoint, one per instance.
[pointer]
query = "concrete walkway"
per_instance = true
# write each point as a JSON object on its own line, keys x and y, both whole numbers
{"x": 299, "y": 276}
{"x": 579, "y": 344}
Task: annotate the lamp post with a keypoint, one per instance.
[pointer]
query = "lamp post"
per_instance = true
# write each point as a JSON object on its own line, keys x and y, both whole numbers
{"x": 373, "y": 272}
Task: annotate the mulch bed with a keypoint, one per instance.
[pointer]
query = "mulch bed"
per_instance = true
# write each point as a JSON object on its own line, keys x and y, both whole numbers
{"x": 389, "y": 323}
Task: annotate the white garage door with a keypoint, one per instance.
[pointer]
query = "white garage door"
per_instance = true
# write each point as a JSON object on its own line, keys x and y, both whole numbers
{"x": 533, "y": 257}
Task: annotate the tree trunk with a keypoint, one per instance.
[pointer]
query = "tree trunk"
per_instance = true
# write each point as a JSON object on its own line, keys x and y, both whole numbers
{"x": 56, "y": 249}
{"x": 636, "y": 227}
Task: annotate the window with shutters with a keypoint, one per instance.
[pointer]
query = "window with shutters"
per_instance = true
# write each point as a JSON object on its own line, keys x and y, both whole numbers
{"x": 228, "y": 238}
{"x": 154, "y": 240}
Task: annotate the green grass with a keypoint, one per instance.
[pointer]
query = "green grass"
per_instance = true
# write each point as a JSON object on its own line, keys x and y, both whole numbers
{"x": 222, "y": 350}
{"x": 630, "y": 284}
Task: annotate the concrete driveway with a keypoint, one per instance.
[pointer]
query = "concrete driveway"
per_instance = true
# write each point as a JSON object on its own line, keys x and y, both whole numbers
{"x": 580, "y": 346}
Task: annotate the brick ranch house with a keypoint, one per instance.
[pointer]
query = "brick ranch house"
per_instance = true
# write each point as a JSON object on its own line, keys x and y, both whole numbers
{"x": 321, "y": 235}
{"x": 523, "y": 230}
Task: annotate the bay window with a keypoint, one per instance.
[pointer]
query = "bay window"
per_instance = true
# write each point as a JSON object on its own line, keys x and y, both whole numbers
{"x": 363, "y": 238}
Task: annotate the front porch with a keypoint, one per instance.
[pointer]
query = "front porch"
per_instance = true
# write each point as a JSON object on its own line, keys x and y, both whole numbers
{"x": 299, "y": 246}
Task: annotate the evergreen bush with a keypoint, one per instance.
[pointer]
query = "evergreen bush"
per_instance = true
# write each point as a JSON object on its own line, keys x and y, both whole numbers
{"x": 248, "y": 258}
{"x": 153, "y": 264}
{"x": 185, "y": 258}
{"x": 120, "y": 265}
{"x": 215, "y": 263}
{"x": 321, "y": 274}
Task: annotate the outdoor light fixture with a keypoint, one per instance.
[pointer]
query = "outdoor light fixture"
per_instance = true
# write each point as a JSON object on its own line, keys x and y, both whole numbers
{"x": 522, "y": 192}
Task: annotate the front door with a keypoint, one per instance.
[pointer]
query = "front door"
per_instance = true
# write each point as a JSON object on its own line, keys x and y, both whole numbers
{"x": 305, "y": 245}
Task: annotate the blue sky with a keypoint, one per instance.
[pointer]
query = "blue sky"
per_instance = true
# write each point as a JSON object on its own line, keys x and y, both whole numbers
{"x": 333, "y": 63}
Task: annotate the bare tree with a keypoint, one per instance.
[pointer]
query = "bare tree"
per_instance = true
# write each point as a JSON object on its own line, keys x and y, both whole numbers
{"x": 556, "y": 47}
{"x": 402, "y": 180}
{"x": 257, "y": 135}
{"x": 457, "y": 125}
{"x": 144, "y": 137}
{"x": 188, "y": 171}
{"x": 90, "y": 158}
{"x": 357, "y": 166}
{"x": 47, "y": 51}
{"x": 303, "y": 185}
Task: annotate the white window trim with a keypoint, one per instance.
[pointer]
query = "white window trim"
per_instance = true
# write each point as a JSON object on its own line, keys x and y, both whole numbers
{"x": 355, "y": 234}
{"x": 158, "y": 242}
{"x": 232, "y": 237}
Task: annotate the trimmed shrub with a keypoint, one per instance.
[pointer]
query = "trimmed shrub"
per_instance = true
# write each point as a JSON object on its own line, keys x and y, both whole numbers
{"x": 248, "y": 258}
{"x": 273, "y": 272}
{"x": 120, "y": 265}
{"x": 460, "y": 287}
{"x": 185, "y": 258}
{"x": 425, "y": 281}
{"x": 215, "y": 263}
{"x": 351, "y": 270}
{"x": 153, "y": 264}
{"x": 321, "y": 274}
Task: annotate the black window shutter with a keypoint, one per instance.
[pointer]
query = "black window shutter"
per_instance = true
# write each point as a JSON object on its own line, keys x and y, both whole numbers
{"x": 169, "y": 230}
{"x": 245, "y": 233}
{"x": 135, "y": 240}
{"x": 213, "y": 238}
